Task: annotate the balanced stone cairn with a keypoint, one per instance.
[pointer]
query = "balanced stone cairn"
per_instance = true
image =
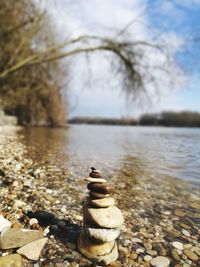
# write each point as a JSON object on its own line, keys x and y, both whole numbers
{"x": 102, "y": 221}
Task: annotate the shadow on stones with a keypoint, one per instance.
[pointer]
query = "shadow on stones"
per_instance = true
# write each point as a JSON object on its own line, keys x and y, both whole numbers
{"x": 63, "y": 230}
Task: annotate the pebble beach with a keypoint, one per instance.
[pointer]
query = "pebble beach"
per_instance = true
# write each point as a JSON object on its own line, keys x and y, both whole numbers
{"x": 161, "y": 216}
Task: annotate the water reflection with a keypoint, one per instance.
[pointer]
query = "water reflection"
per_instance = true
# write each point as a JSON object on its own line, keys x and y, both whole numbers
{"x": 165, "y": 151}
{"x": 46, "y": 144}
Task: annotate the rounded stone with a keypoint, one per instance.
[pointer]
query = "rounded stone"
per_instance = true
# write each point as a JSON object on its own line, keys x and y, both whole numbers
{"x": 110, "y": 217}
{"x": 190, "y": 254}
{"x": 160, "y": 261}
{"x": 147, "y": 258}
{"x": 103, "y": 202}
{"x": 177, "y": 245}
{"x": 100, "y": 188}
{"x": 98, "y": 195}
{"x": 95, "y": 175}
{"x": 102, "y": 234}
{"x": 185, "y": 232}
{"x": 175, "y": 255}
{"x": 103, "y": 253}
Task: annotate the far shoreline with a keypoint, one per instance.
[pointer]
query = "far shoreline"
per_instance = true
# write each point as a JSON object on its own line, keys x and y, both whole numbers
{"x": 166, "y": 119}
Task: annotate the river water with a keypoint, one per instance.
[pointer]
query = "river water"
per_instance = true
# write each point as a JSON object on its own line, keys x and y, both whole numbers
{"x": 172, "y": 152}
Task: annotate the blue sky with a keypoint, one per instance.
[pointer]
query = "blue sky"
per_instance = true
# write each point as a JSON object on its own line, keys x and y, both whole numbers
{"x": 177, "y": 22}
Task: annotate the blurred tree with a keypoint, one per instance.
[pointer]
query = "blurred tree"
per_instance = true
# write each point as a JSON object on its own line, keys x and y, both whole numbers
{"x": 29, "y": 91}
{"x": 31, "y": 74}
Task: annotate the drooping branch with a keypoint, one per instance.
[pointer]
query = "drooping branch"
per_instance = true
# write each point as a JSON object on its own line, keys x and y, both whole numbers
{"x": 125, "y": 51}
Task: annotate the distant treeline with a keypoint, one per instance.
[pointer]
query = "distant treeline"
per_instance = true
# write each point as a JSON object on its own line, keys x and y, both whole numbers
{"x": 168, "y": 119}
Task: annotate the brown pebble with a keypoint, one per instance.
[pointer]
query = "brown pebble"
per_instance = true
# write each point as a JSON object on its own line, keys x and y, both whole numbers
{"x": 100, "y": 188}
{"x": 16, "y": 225}
{"x": 175, "y": 255}
{"x": 98, "y": 195}
{"x": 185, "y": 226}
{"x": 190, "y": 254}
{"x": 152, "y": 252}
{"x": 179, "y": 212}
{"x": 115, "y": 264}
{"x": 95, "y": 174}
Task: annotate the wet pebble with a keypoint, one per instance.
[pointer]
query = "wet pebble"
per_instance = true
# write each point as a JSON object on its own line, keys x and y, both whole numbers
{"x": 160, "y": 261}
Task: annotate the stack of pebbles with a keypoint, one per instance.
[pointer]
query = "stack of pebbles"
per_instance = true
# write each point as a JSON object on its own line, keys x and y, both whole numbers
{"x": 102, "y": 221}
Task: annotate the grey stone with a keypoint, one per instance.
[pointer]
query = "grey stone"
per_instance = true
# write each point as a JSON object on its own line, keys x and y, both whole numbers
{"x": 102, "y": 234}
{"x": 14, "y": 238}
{"x": 110, "y": 217}
{"x": 33, "y": 250}
{"x": 160, "y": 261}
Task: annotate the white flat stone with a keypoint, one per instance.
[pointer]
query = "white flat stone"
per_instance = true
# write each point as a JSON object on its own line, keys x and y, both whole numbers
{"x": 185, "y": 232}
{"x": 177, "y": 245}
{"x": 160, "y": 261}
{"x": 4, "y": 223}
{"x": 33, "y": 250}
{"x": 95, "y": 180}
{"x": 103, "y": 202}
{"x": 102, "y": 234}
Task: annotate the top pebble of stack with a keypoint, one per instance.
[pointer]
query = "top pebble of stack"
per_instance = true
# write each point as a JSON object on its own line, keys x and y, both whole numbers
{"x": 95, "y": 177}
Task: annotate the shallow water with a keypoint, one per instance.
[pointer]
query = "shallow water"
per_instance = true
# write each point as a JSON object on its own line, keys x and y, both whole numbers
{"x": 173, "y": 152}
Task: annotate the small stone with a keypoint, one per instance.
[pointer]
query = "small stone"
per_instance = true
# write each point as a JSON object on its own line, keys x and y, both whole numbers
{"x": 102, "y": 234}
{"x": 179, "y": 212}
{"x": 4, "y": 223}
{"x": 33, "y": 250}
{"x": 95, "y": 175}
{"x": 190, "y": 254}
{"x": 100, "y": 188}
{"x": 18, "y": 204}
{"x": 147, "y": 258}
{"x": 12, "y": 260}
{"x": 63, "y": 209}
{"x": 171, "y": 235}
{"x": 147, "y": 245}
{"x": 140, "y": 250}
{"x": 175, "y": 255}
{"x": 187, "y": 246}
{"x": 44, "y": 218}
{"x": 14, "y": 238}
{"x": 177, "y": 245}
{"x": 185, "y": 232}
{"x": 110, "y": 217}
{"x": 95, "y": 180}
{"x": 152, "y": 252}
{"x": 185, "y": 226}
{"x": 160, "y": 261}
{"x": 98, "y": 195}
{"x": 33, "y": 221}
{"x": 103, "y": 202}
{"x": 136, "y": 240}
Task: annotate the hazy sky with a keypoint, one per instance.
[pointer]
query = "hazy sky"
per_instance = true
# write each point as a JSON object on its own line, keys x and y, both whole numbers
{"x": 95, "y": 91}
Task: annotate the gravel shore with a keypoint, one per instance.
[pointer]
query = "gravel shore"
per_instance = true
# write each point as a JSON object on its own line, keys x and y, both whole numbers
{"x": 162, "y": 216}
